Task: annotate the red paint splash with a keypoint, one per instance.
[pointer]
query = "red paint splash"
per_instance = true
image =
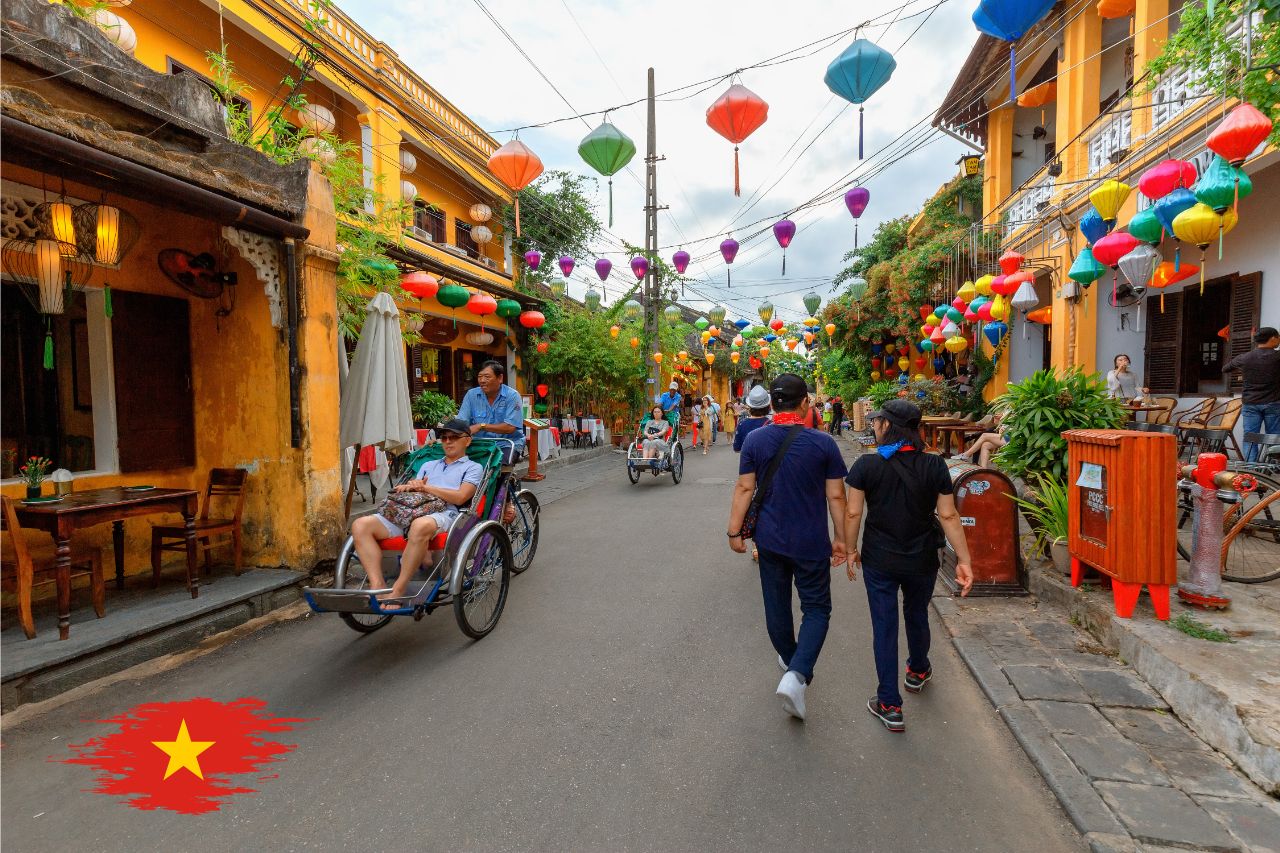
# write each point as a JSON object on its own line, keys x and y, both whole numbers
{"x": 129, "y": 765}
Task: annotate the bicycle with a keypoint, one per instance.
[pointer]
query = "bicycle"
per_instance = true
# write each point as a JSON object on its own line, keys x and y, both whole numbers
{"x": 1251, "y": 528}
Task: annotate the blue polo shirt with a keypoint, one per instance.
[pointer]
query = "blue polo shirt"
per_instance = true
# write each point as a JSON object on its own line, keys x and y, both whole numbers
{"x": 451, "y": 475}
{"x": 506, "y": 409}
{"x": 669, "y": 400}
{"x": 793, "y": 519}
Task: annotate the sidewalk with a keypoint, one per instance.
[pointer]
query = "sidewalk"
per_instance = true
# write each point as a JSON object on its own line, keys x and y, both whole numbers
{"x": 1128, "y": 772}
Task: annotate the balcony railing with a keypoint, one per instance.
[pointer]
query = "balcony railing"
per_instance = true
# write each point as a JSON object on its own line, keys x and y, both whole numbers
{"x": 1114, "y": 134}
{"x": 1028, "y": 203}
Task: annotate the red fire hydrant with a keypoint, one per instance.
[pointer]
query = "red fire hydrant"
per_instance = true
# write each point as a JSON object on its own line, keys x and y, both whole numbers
{"x": 1211, "y": 487}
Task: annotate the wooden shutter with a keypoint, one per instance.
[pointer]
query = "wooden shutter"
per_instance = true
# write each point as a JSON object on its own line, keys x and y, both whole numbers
{"x": 463, "y": 238}
{"x": 155, "y": 414}
{"x": 1246, "y": 298}
{"x": 415, "y": 370}
{"x": 1164, "y": 344}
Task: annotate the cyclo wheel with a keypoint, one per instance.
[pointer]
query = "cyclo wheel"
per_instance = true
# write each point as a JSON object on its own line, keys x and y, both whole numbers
{"x": 524, "y": 531}
{"x": 633, "y": 473}
{"x": 677, "y": 463}
{"x": 350, "y": 574}
{"x": 1251, "y": 549}
{"x": 486, "y": 571}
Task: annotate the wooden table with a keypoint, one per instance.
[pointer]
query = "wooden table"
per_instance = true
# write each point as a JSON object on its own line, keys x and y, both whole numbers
{"x": 95, "y": 506}
{"x": 962, "y": 431}
{"x": 931, "y": 425}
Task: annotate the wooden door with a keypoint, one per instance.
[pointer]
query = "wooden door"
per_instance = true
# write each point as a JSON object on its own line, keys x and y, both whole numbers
{"x": 155, "y": 414}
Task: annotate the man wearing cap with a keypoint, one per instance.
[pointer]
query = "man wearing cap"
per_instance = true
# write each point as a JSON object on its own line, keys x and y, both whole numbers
{"x": 454, "y": 479}
{"x": 791, "y": 531}
{"x": 494, "y": 409}
{"x": 670, "y": 402}
{"x": 757, "y": 415}
{"x": 906, "y": 495}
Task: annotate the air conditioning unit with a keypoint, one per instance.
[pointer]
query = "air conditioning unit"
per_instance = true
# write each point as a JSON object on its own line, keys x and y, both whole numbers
{"x": 489, "y": 262}
{"x": 419, "y": 233}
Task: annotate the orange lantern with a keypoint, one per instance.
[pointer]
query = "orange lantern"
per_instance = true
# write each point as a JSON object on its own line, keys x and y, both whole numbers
{"x": 711, "y": 358}
{"x": 657, "y": 357}
{"x": 421, "y": 284}
{"x": 1116, "y": 8}
{"x": 830, "y": 329}
{"x": 1043, "y": 316}
{"x": 1243, "y": 130}
{"x": 736, "y": 115}
{"x": 517, "y": 166}
{"x": 614, "y": 330}
{"x": 543, "y": 346}
{"x": 764, "y": 351}
{"x": 734, "y": 356}
{"x": 1045, "y": 93}
{"x": 808, "y": 338}
{"x": 635, "y": 342}
{"x": 1168, "y": 273}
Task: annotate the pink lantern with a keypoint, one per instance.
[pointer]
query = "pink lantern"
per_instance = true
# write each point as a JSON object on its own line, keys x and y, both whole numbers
{"x": 728, "y": 251}
{"x": 640, "y": 266}
{"x": 984, "y": 312}
{"x": 1111, "y": 248}
{"x": 566, "y": 265}
{"x": 856, "y": 200}
{"x": 532, "y": 258}
{"x": 1165, "y": 177}
{"x": 783, "y": 231}
{"x": 680, "y": 260}
{"x": 603, "y": 267}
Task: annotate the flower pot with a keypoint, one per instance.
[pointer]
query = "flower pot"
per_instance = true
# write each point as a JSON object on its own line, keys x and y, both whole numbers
{"x": 1061, "y": 557}
{"x": 33, "y": 492}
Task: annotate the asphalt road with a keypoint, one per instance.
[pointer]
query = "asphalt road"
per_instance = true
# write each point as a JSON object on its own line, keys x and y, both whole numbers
{"x": 624, "y": 703}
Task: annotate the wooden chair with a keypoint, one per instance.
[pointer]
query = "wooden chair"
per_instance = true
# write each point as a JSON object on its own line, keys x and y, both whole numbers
{"x": 1197, "y": 417}
{"x": 22, "y": 564}
{"x": 1167, "y": 404}
{"x": 1224, "y": 417}
{"x": 223, "y": 483}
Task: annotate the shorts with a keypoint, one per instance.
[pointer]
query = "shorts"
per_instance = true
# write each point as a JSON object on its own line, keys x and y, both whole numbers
{"x": 444, "y": 520}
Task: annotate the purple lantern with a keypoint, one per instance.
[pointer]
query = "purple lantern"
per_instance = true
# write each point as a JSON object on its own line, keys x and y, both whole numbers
{"x": 857, "y": 200}
{"x": 532, "y": 258}
{"x": 566, "y": 265}
{"x": 783, "y": 231}
{"x": 681, "y": 261}
{"x": 640, "y": 266}
{"x": 603, "y": 266}
{"x": 729, "y": 251}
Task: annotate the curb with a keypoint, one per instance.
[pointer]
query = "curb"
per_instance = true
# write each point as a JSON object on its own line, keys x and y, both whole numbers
{"x": 571, "y": 459}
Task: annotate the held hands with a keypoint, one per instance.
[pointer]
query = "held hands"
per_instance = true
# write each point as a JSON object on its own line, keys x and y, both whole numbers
{"x": 852, "y": 564}
{"x": 964, "y": 577}
{"x": 839, "y": 554}
{"x": 411, "y": 486}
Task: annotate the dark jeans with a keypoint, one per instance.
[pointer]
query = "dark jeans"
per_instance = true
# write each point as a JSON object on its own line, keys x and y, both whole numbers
{"x": 882, "y": 597}
{"x": 813, "y": 583}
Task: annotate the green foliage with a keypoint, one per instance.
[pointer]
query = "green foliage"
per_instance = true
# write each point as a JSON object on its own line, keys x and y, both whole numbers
{"x": 1046, "y": 508}
{"x": 584, "y": 363}
{"x": 1193, "y": 627}
{"x": 556, "y": 218}
{"x": 1038, "y": 409}
{"x": 984, "y": 369}
{"x": 1203, "y": 46}
{"x": 843, "y": 373}
{"x": 933, "y": 398}
{"x": 431, "y": 407}
{"x": 882, "y": 392}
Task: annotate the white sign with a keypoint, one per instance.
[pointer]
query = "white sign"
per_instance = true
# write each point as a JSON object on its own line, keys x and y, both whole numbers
{"x": 1090, "y": 476}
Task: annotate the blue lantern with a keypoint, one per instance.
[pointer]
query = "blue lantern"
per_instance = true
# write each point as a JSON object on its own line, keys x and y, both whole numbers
{"x": 877, "y": 348}
{"x": 857, "y": 73}
{"x": 995, "y": 332}
{"x": 926, "y": 345}
{"x": 1167, "y": 209}
{"x": 903, "y": 378}
{"x": 770, "y": 338}
{"x": 939, "y": 364}
{"x": 1085, "y": 269}
{"x": 741, "y": 324}
{"x": 1009, "y": 20}
{"x": 1094, "y": 227}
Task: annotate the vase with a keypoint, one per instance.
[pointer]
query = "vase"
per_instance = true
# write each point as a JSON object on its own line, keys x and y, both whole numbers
{"x": 33, "y": 492}
{"x": 1061, "y": 557}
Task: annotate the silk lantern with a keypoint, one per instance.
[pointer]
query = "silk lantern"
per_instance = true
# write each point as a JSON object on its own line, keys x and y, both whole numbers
{"x": 482, "y": 304}
{"x": 532, "y": 319}
{"x": 904, "y": 363}
{"x": 453, "y": 296}
{"x": 635, "y": 342}
{"x": 592, "y": 299}
{"x": 967, "y": 291}
{"x": 532, "y": 258}
{"x": 776, "y": 324}
{"x": 986, "y": 285}
{"x": 640, "y": 266}
{"x": 711, "y": 358}
{"x": 632, "y": 310}
{"x": 765, "y": 310}
{"x": 421, "y": 284}
{"x": 1043, "y": 316}
{"x": 607, "y": 150}
{"x": 1085, "y": 269}
{"x": 999, "y": 308}
{"x": 614, "y": 331}
{"x": 830, "y": 329}
{"x": 1024, "y": 298}
{"x": 956, "y": 345}
{"x": 808, "y": 337}
{"x": 728, "y": 251}
{"x": 543, "y": 347}
{"x": 1110, "y": 249}
{"x": 1094, "y": 227}
{"x": 735, "y": 115}
{"x": 1243, "y": 130}
{"x": 680, "y": 260}
{"x": 1011, "y": 262}
{"x": 1145, "y": 225}
{"x": 516, "y": 166}
{"x": 657, "y": 358}
{"x": 1115, "y": 8}
{"x": 1139, "y": 265}
{"x": 925, "y": 310}
{"x": 557, "y": 287}
{"x": 701, "y": 323}
{"x": 672, "y": 313}
{"x": 566, "y": 265}
{"x": 741, "y": 323}
{"x": 1165, "y": 177}
{"x": 857, "y": 73}
{"x": 995, "y": 332}
{"x": 1108, "y": 197}
{"x": 1223, "y": 185}
{"x": 856, "y": 200}
{"x": 1166, "y": 274}
{"x": 1199, "y": 224}
{"x": 1009, "y": 20}
{"x": 783, "y": 231}
{"x": 717, "y": 314}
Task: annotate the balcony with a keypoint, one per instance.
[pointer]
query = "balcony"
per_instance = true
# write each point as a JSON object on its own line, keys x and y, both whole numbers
{"x": 1112, "y": 136}
{"x": 1026, "y": 205}
{"x": 1180, "y": 89}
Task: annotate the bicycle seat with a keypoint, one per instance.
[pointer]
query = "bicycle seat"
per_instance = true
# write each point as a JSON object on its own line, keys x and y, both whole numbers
{"x": 399, "y": 543}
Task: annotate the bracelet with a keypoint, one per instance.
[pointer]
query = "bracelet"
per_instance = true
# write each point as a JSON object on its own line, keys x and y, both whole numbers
{"x": 737, "y": 535}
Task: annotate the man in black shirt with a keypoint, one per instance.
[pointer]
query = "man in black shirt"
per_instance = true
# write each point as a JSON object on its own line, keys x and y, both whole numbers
{"x": 1261, "y": 396}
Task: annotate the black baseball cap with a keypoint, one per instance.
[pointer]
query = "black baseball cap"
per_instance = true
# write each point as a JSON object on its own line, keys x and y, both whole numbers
{"x": 899, "y": 413}
{"x": 787, "y": 390}
{"x": 457, "y": 425}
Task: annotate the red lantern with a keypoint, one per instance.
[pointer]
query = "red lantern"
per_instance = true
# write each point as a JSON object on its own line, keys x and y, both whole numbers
{"x": 875, "y": 363}
{"x": 890, "y": 372}
{"x": 532, "y": 319}
{"x": 543, "y": 346}
{"x": 1243, "y": 130}
{"x": 1012, "y": 282}
{"x": 421, "y": 284}
{"x": 542, "y": 389}
{"x": 920, "y": 364}
{"x": 754, "y": 362}
{"x": 1110, "y": 249}
{"x": 517, "y": 166}
{"x": 925, "y": 311}
{"x": 481, "y": 304}
{"x": 1011, "y": 262}
{"x": 736, "y": 115}
{"x": 776, "y": 325}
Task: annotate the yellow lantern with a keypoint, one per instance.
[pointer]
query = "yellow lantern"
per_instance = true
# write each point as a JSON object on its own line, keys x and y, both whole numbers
{"x": 811, "y": 321}
{"x": 933, "y": 319}
{"x": 764, "y": 351}
{"x": 56, "y": 221}
{"x": 889, "y": 348}
{"x": 875, "y": 376}
{"x": 904, "y": 363}
{"x": 711, "y": 358}
{"x": 683, "y": 355}
{"x": 983, "y": 286}
{"x": 635, "y": 342}
{"x": 49, "y": 276}
{"x": 830, "y": 329}
{"x": 919, "y": 377}
{"x": 999, "y": 308}
{"x": 706, "y": 336}
{"x": 956, "y": 344}
{"x": 614, "y": 330}
{"x": 968, "y": 291}
{"x": 657, "y": 357}
{"x": 1108, "y": 197}
{"x": 735, "y": 356}
{"x": 1199, "y": 224}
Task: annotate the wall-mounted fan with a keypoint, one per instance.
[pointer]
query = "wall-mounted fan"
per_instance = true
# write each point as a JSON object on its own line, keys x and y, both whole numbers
{"x": 1126, "y": 295}
{"x": 438, "y": 330}
{"x": 199, "y": 276}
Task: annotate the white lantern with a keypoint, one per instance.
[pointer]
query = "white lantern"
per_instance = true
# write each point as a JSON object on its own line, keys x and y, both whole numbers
{"x": 1025, "y": 298}
{"x": 49, "y": 276}
{"x": 318, "y": 150}
{"x": 481, "y": 213}
{"x": 950, "y": 329}
{"x": 408, "y": 163}
{"x": 414, "y": 322}
{"x": 316, "y": 118}
{"x": 481, "y": 234}
{"x": 407, "y": 190}
{"x": 479, "y": 339}
{"x": 116, "y": 28}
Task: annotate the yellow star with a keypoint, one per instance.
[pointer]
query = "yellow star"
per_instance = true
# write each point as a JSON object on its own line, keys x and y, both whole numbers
{"x": 183, "y": 751}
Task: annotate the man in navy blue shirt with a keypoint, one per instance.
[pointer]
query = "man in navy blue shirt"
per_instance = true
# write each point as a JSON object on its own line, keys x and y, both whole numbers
{"x": 791, "y": 531}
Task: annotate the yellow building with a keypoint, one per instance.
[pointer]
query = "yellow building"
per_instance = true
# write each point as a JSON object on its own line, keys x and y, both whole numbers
{"x": 1108, "y": 119}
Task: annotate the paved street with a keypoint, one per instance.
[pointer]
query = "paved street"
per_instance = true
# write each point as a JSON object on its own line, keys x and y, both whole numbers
{"x": 625, "y": 702}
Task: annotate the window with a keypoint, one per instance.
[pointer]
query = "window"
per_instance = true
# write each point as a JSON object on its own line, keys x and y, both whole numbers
{"x": 242, "y": 104}
{"x": 1195, "y": 335}
{"x": 429, "y": 220}
{"x": 463, "y": 239}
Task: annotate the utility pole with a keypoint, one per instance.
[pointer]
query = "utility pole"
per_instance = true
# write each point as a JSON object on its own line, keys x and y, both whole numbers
{"x": 652, "y": 294}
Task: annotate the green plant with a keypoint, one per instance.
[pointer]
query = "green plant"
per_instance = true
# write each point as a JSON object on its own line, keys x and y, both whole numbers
{"x": 1046, "y": 508}
{"x": 933, "y": 398}
{"x": 1038, "y": 409}
{"x": 1192, "y": 627}
{"x": 882, "y": 392}
{"x": 430, "y": 408}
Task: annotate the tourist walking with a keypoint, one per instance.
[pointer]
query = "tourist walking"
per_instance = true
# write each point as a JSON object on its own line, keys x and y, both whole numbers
{"x": 1261, "y": 394}
{"x": 704, "y": 418}
{"x": 757, "y": 415}
{"x": 907, "y": 499}
{"x": 731, "y": 414}
{"x": 789, "y": 481}
{"x": 837, "y": 416}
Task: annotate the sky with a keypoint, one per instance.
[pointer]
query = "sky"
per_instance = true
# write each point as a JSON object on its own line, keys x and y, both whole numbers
{"x": 597, "y": 53}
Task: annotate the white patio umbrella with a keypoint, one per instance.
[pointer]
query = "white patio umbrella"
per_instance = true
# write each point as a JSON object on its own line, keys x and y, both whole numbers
{"x": 375, "y": 395}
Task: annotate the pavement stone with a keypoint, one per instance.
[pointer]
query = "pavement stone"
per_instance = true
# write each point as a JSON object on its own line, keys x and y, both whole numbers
{"x": 977, "y": 656}
{"x": 1045, "y": 682}
{"x": 1255, "y": 824}
{"x": 1004, "y": 634}
{"x": 1108, "y": 756}
{"x": 1160, "y": 815}
{"x": 1153, "y": 728}
{"x": 1071, "y": 717}
{"x": 1032, "y": 654}
{"x": 1077, "y": 660}
{"x": 1055, "y": 635}
{"x": 1202, "y": 772}
{"x": 1112, "y": 687}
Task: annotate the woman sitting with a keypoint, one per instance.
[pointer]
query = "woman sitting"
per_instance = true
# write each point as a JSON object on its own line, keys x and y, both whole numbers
{"x": 655, "y": 434}
{"x": 986, "y": 444}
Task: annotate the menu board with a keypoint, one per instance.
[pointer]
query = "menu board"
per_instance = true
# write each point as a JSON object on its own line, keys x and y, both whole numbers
{"x": 1095, "y": 510}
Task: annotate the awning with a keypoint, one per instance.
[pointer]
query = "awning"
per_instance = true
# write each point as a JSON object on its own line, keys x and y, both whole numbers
{"x": 433, "y": 265}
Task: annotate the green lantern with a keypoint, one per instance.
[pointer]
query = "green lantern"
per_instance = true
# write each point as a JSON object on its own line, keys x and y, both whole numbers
{"x": 632, "y": 311}
{"x": 765, "y": 311}
{"x": 1221, "y": 186}
{"x": 592, "y": 300}
{"x": 508, "y": 309}
{"x": 557, "y": 287}
{"x": 701, "y": 323}
{"x": 717, "y": 315}
{"x": 812, "y": 302}
{"x": 672, "y": 313}
{"x": 857, "y": 288}
{"x": 540, "y": 408}
{"x": 1085, "y": 269}
{"x": 452, "y": 295}
{"x": 1146, "y": 227}
{"x": 607, "y": 150}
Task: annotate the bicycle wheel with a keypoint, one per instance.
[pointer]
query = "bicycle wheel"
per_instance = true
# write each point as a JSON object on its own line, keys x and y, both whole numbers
{"x": 1267, "y": 485}
{"x": 523, "y": 531}
{"x": 350, "y": 574}
{"x": 677, "y": 463}
{"x": 1251, "y": 549}
{"x": 633, "y": 473}
{"x": 486, "y": 571}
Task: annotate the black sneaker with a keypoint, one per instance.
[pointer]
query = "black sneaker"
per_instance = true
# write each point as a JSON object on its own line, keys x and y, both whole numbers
{"x": 890, "y": 715}
{"x": 915, "y": 681}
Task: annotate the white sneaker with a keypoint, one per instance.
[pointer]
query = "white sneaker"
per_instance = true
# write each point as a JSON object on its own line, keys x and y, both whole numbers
{"x": 782, "y": 665}
{"x": 791, "y": 691}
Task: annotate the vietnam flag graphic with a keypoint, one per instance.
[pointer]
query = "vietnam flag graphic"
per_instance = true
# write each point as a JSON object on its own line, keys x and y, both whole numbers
{"x": 181, "y": 756}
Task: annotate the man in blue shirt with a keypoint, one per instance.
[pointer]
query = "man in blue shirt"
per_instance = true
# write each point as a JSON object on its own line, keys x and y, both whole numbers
{"x": 494, "y": 409}
{"x": 791, "y": 531}
{"x": 670, "y": 402}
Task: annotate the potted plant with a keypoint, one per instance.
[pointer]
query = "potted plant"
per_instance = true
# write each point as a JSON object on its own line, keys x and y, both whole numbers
{"x": 1046, "y": 510}
{"x": 430, "y": 408}
{"x": 34, "y": 473}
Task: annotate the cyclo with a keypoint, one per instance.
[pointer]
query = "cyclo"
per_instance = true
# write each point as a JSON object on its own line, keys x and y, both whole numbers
{"x": 469, "y": 566}
{"x": 671, "y": 462}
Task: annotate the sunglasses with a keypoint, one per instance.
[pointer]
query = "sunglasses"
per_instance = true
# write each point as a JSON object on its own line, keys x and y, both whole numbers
{"x": 451, "y": 436}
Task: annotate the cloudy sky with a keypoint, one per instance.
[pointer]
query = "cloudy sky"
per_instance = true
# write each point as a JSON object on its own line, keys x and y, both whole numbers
{"x": 596, "y": 52}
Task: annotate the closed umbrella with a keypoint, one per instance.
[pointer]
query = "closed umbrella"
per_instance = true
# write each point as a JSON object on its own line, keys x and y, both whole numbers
{"x": 375, "y": 398}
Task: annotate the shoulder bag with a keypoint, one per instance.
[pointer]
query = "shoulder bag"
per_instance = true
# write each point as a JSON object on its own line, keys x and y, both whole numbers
{"x": 403, "y": 508}
{"x": 937, "y": 539}
{"x": 762, "y": 484}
